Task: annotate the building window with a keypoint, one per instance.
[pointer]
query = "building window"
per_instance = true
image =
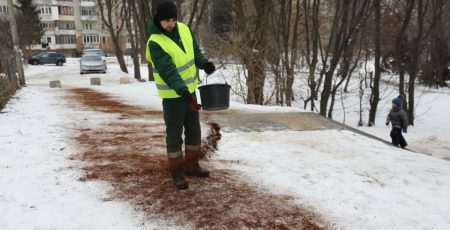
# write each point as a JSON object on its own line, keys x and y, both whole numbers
{"x": 49, "y": 40}
{"x": 104, "y": 39}
{"x": 87, "y": 26}
{"x": 87, "y": 11}
{"x": 48, "y": 25}
{"x": 44, "y": 10}
{"x": 66, "y": 25}
{"x": 3, "y": 9}
{"x": 91, "y": 39}
{"x": 65, "y": 10}
{"x": 65, "y": 39}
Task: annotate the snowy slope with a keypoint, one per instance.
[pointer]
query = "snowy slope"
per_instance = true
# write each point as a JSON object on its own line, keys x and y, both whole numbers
{"x": 429, "y": 135}
{"x": 356, "y": 182}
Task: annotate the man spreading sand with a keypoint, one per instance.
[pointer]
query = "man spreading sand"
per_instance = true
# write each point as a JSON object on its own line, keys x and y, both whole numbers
{"x": 175, "y": 56}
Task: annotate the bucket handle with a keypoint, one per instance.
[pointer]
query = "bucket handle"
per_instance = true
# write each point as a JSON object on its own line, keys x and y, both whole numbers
{"x": 207, "y": 75}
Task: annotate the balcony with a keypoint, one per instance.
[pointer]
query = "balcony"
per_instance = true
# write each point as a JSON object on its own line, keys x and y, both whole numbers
{"x": 66, "y": 17}
{"x": 94, "y": 29}
{"x": 64, "y": 32}
{"x": 47, "y": 17}
{"x": 87, "y": 4}
{"x": 65, "y": 46}
{"x": 89, "y": 18}
{"x": 41, "y": 2}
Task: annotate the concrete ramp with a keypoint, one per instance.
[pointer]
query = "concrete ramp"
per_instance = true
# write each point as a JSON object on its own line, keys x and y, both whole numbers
{"x": 235, "y": 120}
{"x": 259, "y": 122}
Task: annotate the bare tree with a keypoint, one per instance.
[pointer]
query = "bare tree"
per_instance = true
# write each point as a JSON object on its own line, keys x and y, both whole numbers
{"x": 283, "y": 58}
{"x": 109, "y": 9}
{"x": 350, "y": 60}
{"x": 197, "y": 12}
{"x": 133, "y": 36}
{"x": 401, "y": 46}
{"x": 252, "y": 20}
{"x": 347, "y": 19}
{"x": 375, "y": 96}
{"x": 414, "y": 61}
{"x": 291, "y": 50}
{"x": 142, "y": 14}
{"x": 438, "y": 58}
{"x": 422, "y": 32}
{"x": 8, "y": 79}
{"x": 311, "y": 50}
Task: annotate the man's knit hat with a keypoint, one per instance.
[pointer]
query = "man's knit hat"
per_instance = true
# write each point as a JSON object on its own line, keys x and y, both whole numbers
{"x": 166, "y": 10}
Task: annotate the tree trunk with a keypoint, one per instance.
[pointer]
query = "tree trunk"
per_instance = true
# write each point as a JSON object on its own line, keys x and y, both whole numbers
{"x": 375, "y": 96}
{"x": 253, "y": 37}
{"x": 335, "y": 44}
{"x": 349, "y": 16}
{"x": 119, "y": 54}
{"x": 312, "y": 36}
{"x": 133, "y": 40}
{"x": 333, "y": 99}
{"x": 179, "y": 12}
{"x": 256, "y": 77}
{"x": 416, "y": 52}
{"x": 400, "y": 49}
{"x": 109, "y": 7}
{"x": 143, "y": 15}
{"x": 291, "y": 58}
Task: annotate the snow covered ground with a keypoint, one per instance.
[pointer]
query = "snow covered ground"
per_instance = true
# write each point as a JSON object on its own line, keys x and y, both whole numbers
{"x": 430, "y": 134}
{"x": 431, "y": 131}
{"x": 353, "y": 181}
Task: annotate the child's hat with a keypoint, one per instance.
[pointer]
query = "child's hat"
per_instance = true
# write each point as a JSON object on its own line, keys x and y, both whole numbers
{"x": 398, "y": 101}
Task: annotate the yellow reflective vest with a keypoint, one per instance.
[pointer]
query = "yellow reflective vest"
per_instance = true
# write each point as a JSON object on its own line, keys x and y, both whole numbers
{"x": 183, "y": 60}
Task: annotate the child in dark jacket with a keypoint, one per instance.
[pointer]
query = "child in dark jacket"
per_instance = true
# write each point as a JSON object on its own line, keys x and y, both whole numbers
{"x": 397, "y": 116}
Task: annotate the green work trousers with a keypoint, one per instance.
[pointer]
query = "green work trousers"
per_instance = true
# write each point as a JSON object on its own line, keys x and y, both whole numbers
{"x": 178, "y": 115}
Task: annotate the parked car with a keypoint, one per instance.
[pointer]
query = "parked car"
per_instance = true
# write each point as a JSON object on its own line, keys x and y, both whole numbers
{"x": 92, "y": 63}
{"x": 47, "y": 58}
{"x": 96, "y": 51}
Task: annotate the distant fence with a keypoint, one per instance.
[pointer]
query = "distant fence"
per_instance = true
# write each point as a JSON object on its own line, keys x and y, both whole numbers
{"x": 8, "y": 77}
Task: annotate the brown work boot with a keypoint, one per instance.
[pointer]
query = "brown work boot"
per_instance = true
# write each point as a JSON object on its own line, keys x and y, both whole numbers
{"x": 177, "y": 173}
{"x": 191, "y": 166}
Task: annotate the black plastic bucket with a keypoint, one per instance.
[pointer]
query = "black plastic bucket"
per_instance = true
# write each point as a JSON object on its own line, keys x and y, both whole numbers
{"x": 215, "y": 96}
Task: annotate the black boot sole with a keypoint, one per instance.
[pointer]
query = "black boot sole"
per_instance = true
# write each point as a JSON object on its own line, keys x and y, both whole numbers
{"x": 203, "y": 175}
{"x": 182, "y": 187}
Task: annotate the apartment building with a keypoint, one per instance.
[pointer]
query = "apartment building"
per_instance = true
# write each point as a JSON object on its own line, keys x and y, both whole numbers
{"x": 3, "y": 9}
{"x": 71, "y": 26}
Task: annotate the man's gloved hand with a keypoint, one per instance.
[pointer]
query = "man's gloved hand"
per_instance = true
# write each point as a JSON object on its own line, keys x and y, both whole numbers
{"x": 405, "y": 130}
{"x": 192, "y": 101}
{"x": 209, "y": 68}
{"x": 387, "y": 122}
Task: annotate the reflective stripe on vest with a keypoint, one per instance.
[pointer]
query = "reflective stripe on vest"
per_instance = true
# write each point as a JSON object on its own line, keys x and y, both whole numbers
{"x": 180, "y": 69}
{"x": 166, "y": 87}
{"x": 184, "y": 60}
